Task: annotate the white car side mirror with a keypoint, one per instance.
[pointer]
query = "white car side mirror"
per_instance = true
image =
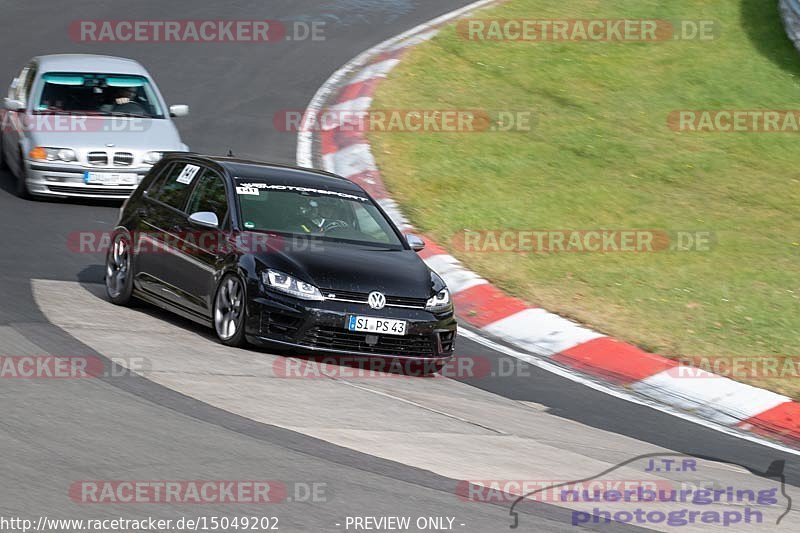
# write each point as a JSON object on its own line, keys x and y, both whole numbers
{"x": 205, "y": 219}
{"x": 415, "y": 242}
{"x": 178, "y": 110}
{"x": 13, "y": 105}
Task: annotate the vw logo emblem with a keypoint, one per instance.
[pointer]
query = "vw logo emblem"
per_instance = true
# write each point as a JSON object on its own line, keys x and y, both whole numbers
{"x": 376, "y": 300}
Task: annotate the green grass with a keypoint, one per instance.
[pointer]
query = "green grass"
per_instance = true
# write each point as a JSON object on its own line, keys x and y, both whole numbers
{"x": 601, "y": 156}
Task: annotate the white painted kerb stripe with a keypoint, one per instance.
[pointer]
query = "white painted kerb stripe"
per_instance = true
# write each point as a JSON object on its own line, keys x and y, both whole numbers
{"x": 376, "y": 70}
{"x": 414, "y": 41}
{"x": 392, "y": 209}
{"x": 453, "y": 273}
{"x": 541, "y": 332}
{"x": 347, "y": 112}
{"x": 623, "y": 394}
{"x": 350, "y": 161}
{"x": 713, "y": 397}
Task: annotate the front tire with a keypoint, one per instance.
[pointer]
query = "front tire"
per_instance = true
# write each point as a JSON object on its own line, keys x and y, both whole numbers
{"x": 21, "y": 187}
{"x": 3, "y": 163}
{"x": 119, "y": 271}
{"x": 230, "y": 311}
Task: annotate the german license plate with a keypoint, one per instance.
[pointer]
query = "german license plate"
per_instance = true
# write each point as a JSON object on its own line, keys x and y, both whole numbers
{"x": 370, "y": 324}
{"x": 109, "y": 178}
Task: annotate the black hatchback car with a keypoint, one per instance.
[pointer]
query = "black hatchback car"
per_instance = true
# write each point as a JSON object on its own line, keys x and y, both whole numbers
{"x": 278, "y": 256}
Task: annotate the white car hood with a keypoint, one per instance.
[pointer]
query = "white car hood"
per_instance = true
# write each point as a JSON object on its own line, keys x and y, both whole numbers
{"x": 99, "y": 132}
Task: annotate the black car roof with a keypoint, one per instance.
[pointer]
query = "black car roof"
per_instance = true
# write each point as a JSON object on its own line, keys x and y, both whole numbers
{"x": 275, "y": 173}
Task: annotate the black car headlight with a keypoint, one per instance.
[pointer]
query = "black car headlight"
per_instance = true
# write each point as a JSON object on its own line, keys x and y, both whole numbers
{"x": 440, "y": 302}
{"x": 292, "y": 286}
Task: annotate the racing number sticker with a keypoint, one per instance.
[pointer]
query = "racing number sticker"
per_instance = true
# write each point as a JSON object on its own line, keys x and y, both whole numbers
{"x": 187, "y": 174}
{"x": 247, "y": 190}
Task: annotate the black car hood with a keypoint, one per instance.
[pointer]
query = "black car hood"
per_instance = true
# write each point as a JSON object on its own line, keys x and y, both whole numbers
{"x": 349, "y": 267}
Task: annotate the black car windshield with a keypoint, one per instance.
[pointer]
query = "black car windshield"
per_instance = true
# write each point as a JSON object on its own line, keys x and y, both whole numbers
{"x": 311, "y": 212}
{"x": 98, "y": 94}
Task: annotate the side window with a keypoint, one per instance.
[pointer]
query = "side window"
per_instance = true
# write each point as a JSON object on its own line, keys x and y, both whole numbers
{"x": 367, "y": 224}
{"x": 15, "y": 92}
{"x": 209, "y": 195}
{"x": 25, "y": 83}
{"x": 25, "y": 91}
{"x": 174, "y": 187}
{"x": 155, "y": 175}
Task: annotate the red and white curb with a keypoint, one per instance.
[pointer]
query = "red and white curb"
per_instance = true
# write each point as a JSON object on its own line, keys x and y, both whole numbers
{"x": 347, "y": 153}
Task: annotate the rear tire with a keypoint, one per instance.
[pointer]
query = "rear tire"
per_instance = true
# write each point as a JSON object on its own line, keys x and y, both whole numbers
{"x": 119, "y": 270}
{"x": 230, "y": 311}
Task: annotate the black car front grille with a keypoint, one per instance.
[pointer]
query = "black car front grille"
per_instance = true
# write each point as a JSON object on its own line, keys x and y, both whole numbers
{"x": 391, "y": 301}
{"x": 98, "y": 158}
{"x": 123, "y": 159}
{"x": 91, "y": 191}
{"x": 344, "y": 295}
{"x": 406, "y": 302}
{"x": 279, "y": 324}
{"x": 328, "y": 338}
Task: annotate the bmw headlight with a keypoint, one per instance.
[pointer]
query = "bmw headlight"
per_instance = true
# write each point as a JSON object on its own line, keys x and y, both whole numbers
{"x": 43, "y": 153}
{"x": 440, "y": 302}
{"x": 151, "y": 158}
{"x": 287, "y": 284}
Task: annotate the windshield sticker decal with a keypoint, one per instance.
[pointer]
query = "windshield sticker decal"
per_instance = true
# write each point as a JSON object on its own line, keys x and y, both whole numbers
{"x": 267, "y": 186}
{"x": 187, "y": 174}
{"x": 247, "y": 190}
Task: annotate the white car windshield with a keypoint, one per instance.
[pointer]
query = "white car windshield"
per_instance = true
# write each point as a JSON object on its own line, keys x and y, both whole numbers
{"x": 98, "y": 94}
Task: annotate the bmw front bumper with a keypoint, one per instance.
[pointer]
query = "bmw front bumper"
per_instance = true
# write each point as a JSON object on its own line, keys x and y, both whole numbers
{"x": 64, "y": 180}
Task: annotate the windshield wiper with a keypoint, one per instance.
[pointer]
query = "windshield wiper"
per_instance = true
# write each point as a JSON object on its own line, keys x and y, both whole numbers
{"x": 63, "y": 112}
{"x": 134, "y": 115}
{"x": 53, "y": 112}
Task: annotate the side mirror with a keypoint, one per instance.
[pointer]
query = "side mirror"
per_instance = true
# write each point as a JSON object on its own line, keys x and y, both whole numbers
{"x": 179, "y": 110}
{"x": 415, "y": 242}
{"x": 205, "y": 219}
{"x": 13, "y": 86}
{"x": 13, "y": 105}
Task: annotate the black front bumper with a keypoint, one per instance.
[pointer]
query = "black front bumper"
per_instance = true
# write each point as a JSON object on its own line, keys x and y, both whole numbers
{"x": 320, "y": 328}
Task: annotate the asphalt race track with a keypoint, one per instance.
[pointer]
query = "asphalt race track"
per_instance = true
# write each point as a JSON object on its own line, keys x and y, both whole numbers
{"x": 384, "y": 447}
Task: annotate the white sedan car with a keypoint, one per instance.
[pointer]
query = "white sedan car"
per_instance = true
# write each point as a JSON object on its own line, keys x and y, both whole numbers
{"x": 85, "y": 125}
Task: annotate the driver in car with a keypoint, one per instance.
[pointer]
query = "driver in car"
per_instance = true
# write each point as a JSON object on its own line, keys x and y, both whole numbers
{"x": 324, "y": 214}
{"x": 124, "y": 101}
